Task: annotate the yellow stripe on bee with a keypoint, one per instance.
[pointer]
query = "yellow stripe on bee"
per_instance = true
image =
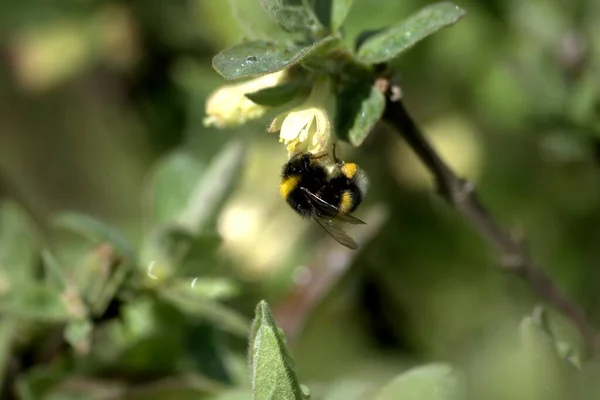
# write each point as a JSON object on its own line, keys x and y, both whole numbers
{"x": 346, "y": 202}
{"x": 287, "y": 185}
{"x": 349, "y": 170}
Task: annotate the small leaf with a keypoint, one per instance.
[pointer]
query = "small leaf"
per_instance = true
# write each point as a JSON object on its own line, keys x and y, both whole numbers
{"x": 429, "y": 382}
{"x": 291, "y": 15}
{"x": 332, "y": 13}
{"x": 78, "y": 333}
{"x": 390, "y": 43}
{"x": 273, "y": 371}
{"x": 95, "y": 231}
{"x": 170, "y": 185}
{"x": 255, "y": 58}
{"x": 537, "y": 342}
{"x": 359, "y": 108}
{"x": 548, "y": 373}
{"x": 36, "y": 302}
{"x": 211, "y": 191}
{"x": 275, "y": 96}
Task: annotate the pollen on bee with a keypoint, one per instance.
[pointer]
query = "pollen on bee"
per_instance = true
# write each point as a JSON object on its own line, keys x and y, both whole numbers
{"x": 349, "y": 170}
{"x": 287, "y": 185}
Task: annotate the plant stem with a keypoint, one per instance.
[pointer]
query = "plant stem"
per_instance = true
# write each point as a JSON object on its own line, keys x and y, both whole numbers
{"x": 460, "y": 194}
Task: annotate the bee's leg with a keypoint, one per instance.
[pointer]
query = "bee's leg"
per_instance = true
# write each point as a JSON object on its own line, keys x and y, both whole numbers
{"x": 335, "y": 159}
{"x": 318, "y": 155}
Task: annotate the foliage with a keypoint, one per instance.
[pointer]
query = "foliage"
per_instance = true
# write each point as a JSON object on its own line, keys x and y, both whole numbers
{"x": 176, "y": 239}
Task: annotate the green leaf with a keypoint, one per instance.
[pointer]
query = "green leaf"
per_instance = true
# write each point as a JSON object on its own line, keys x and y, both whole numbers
{"x": 277, "y": 95}
{"x": 359, "y": 108}
{"x": 96, "y": 231}
{"x": 291, "y": 15}
{"x": 537, "y": 342}
{"x": 78, "y": 333}
{"x": 174, "y": 251}
{"x": 255, "y": 58}
{"x": 331, "y": 13}
{"x": 207, "y": 309}
{"x": 99, "y": 276}
{"x": 55, "y": 272}
{"x": 18, "y": 247}
{"x": 273, "y": 371}
{"x": 170, "y": 185}
{"x": 547, "y": 371}
{"x": 36, "y": 302}
{"x": 430, "y": 382}
{"x": 211, "y": 191}
{"x": 390, "y": 43}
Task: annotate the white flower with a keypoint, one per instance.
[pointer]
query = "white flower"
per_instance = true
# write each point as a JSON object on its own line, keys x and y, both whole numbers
{"x": 228, "y": 106}
{"x": 307, "y": 127}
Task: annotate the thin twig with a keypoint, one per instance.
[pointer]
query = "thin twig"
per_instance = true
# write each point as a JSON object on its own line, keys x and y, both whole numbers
{"x": 461, "y": 194}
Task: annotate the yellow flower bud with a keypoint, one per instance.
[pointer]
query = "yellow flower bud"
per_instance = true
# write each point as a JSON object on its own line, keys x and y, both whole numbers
{"x": 228, "y": 106}
{"x": 306, "y": 127}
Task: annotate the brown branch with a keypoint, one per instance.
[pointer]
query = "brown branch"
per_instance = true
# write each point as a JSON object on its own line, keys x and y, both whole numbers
{"x": 461, "y": 195}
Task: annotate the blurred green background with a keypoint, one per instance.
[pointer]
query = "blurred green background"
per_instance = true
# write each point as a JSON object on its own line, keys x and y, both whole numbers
{"x": 101, "y": 108}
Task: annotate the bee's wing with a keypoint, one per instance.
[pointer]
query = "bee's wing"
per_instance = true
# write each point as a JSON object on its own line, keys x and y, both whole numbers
{"x": 336, "y": 232}
{"x": 332, "y": 211}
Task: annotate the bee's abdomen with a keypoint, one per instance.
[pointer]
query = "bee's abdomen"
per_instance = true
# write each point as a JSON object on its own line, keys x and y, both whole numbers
{"x": 351, "y": 199}
{"x": 343, "y": 194}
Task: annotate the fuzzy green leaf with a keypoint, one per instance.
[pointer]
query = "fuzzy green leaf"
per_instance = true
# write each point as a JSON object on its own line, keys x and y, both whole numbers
{"x": 255, "y": 58}
{"x": 429, "y": 382}
{"x": 331, "y": 13}
{"x": 391, "y": 42}
{"x": 273, "y": 371}
{"x": 291, "y": 15}
{"x": 95, "y": 231}
{"x": 359, "y": 108}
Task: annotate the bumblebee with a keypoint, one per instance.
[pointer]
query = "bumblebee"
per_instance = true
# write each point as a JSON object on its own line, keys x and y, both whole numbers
{"x": 326, "y": 193}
